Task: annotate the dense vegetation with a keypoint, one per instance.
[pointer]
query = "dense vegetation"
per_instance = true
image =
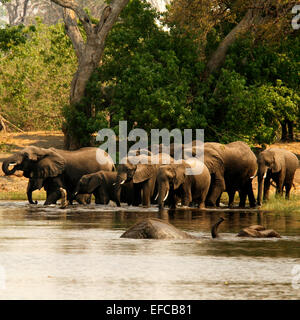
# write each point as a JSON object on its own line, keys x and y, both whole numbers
{"x": 151, "y": 76}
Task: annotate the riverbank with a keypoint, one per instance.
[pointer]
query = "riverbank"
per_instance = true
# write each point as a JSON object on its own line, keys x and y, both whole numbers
{"x": 14, "y": 187}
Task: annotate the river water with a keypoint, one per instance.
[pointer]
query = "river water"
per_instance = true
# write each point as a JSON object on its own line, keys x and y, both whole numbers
{"x": 77, "y": 253}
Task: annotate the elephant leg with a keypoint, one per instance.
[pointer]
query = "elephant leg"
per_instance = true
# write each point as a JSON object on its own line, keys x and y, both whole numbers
{"x": 30, "y": 189}
{"x": 279, "y": 189}
{"x": 288, "y": 188}
{"x": 146, "y": 195}
{"x": 52, "y": 197}
{"x": 217, "y": 188}
{"x": 186, "y": 197}
{"x": 243, "y": 197}
{"x": 137, "y": 195}
{"x": 250, "y": 194}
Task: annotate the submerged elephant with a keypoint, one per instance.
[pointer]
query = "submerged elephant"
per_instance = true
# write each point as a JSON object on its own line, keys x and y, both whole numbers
{"x": 174, "y": 182}
{"x": 152, "y": 228}
{"x": 62, "y": 169}
{"x": 101, "y": 184}
{"x": 278, "y": 165}
{"x": 232, "y": 168}
{"x": 254, "y": 231}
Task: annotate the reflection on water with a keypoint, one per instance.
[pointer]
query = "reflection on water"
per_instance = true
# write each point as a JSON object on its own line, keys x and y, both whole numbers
{"x": 49, "y": 253}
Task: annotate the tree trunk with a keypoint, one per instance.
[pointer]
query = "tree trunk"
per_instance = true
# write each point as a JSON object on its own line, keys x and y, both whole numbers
{"x": 89, "y": 52}
{"x": 284, "y": 133}
{"x": 291, "y": 130}
{"x": 252, "y": 18}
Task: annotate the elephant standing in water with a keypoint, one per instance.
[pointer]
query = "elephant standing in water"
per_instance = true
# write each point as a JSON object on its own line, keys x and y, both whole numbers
{"x": 142, "y": 175}
{"x": 52, "y": 187}
{"x": 232, "y": 168}
{"x": 101, "y": 184}
{"x": 174, "y": 182}
{"x": 62, "y": 169}
{"x": 279, "y": 165}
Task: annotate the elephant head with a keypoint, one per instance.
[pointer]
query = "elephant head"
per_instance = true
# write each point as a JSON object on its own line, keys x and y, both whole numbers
{"x": 132, "y": 170}
{"x": 267, "y": 160}
{"x": 169, "y": 177}
{"x": 35, "y": 163}
{"x": 88, "y": 183}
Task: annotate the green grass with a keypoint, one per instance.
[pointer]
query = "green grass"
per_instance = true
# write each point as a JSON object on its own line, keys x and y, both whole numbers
{"x": 38, "y": 195}
{"x": 280, "y": 204}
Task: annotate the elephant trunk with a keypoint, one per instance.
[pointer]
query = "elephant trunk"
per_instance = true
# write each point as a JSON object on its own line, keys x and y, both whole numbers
{"x": 163, "y": 192}
{"x": 11, "y": 161}
{"x": 214, "y": 229}
{"x": 260, "y": 178}
{"x": 121, "y": 178}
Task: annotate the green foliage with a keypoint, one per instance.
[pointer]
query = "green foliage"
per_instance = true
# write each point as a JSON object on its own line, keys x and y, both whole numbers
{"x": 36, "y": 67}
{"x": 256, "y": 90}
{"x": 146, "y": 75}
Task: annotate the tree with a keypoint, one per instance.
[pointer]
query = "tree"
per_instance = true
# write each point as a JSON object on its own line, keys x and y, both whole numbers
{"x": 36, "y": 68}
{"x": 265, "y": 18}
{"x": 88, "y": 48}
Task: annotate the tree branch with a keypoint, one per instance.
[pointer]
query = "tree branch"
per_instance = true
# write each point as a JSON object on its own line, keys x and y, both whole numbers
{"x": 73, "y": 31}
{"x": 81, "y": 14}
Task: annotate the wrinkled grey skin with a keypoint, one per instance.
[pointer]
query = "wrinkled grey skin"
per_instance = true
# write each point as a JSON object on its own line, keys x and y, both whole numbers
{"x": 143, "y": 177}
{"x": 52, "y": 187}
{"x": 174, "y": 183}
{"x": 101, "y": 185}
{"x": 278, "y": 165}
{"x": 232, "y": 168}
{"x": 61, "y": 169}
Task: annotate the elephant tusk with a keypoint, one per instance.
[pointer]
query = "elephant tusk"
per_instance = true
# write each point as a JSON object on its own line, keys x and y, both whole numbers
{"x": 166, "y": 196}
{"x": 253, "y": 177}
{"x": 122, "y": 182}
{"x": 12, "y": 164}
{"x": 265, "y": 175}
{"x": 156, "y": 197}
{"x": 114, "y": 183}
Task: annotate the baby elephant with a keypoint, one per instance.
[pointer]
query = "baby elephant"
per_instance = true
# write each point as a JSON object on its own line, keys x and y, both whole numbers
{"x": 253, "y": 231}
{"x": 101, "y": 185}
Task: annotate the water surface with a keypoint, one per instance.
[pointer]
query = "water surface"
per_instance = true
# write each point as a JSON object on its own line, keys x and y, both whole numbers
{"x": 77, "y": 253}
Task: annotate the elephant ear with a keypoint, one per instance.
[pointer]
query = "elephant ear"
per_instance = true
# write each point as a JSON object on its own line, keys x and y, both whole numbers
{"x": 34, "y": 153}
{"x": 276, "y": 166}
{"x": 94, "y": 181}
{"x": 179, "y": 176}
{"x": 143, "y": 172}
{"x": 51, "y": 165}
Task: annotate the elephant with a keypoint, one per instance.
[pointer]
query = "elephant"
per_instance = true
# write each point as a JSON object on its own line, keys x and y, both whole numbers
{"x": 253, "y": 231}
{"x": 173, "y": 182}
{"x": 52, "y": 187}
{"x": 279, "y": 165}
{"x": 232, "y": 167}
{"x": 62, "y": 169}
{"x": 152, "y": 228}
{"x": 101, "y": 184}
{"x": 142, "y": 175}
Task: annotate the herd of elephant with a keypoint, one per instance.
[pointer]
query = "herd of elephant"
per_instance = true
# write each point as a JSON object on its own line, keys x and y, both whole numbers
{"x": 227, "y": 167}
